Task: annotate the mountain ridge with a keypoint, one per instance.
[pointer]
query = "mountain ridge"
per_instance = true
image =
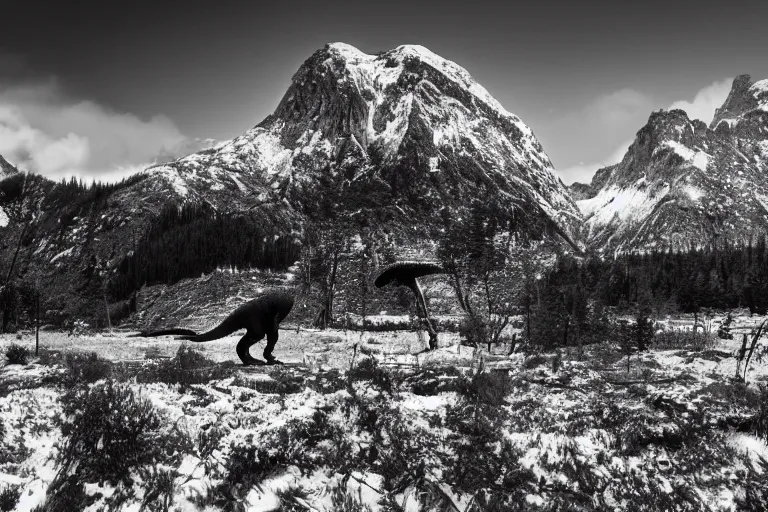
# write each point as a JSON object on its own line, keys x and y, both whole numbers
{"x": 388, "y": 125}
{"x": 685, "y": 184}
{"x": 395, "y": 143}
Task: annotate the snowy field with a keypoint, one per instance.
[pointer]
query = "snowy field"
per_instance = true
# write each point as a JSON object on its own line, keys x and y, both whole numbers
{"x": 359, "y": 422}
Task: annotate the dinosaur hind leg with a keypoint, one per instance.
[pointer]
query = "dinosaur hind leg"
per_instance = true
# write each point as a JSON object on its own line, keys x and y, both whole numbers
{"x": 243, "y": 349}
{"x": 271, "y": 342}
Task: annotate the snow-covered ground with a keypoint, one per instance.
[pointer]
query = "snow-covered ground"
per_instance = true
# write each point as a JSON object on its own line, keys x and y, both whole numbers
{"x": 406, "y": 432}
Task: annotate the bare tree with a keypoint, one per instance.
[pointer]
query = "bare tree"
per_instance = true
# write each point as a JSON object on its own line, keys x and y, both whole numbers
{"x": 326, "y": 245}
{"x": 475, "y": 253}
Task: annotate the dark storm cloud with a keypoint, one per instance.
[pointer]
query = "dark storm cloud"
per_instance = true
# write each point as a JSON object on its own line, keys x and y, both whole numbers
{"x": 216, "y": 69}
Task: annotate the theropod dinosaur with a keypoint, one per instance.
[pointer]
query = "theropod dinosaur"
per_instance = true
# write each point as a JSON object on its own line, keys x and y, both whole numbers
{"x": 259, "y": 317}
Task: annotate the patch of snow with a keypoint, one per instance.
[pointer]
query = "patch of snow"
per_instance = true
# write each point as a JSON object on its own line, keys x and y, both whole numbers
{"x": 239, "y": 183}
{"x": 426, "y": 403}
{"x": 697, "y": 158}
{"x": 730, "y": 122}
{"x": 759, "y": 87}
{"x": 701, "y": 160}
{"x": 694, "y": 193}
{"x": 3, "y": 218}
{"x": 172, "y": 176}
{"x": 63, "y": 254}
{"x": 620, "y": 203}
{"x": 748, "y": 444}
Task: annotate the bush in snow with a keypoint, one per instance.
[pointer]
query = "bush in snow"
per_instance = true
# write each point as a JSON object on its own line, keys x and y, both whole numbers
{"x": 369, "y": 370}
{"x": 187, "y": 367}
{"x": 760, "y": 422}
{"x": 16, "y": 354}
{"x": 108, "y": 431}
{"x": 479, "y": 458}
{"x": 159, "y": 489}
{"x": 684, "y": 340}
{"x": 344, "y": 502}
{"x": 306, "y": 443}
{"x": 86, "y": 368}
{"x": 9, "y": 497}
{"x": 488, "y": 388}
{"x": 291, "y": 499}
{"x": 433, "y": 381}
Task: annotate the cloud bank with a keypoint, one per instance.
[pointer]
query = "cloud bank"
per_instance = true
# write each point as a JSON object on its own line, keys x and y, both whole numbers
{"x": 617, "y": 108}
{"x": 583, "y": 172}
{"x": 622, "y": 113}
{"x": 598, "y": 133}
{"x": 43, "y": 131}
{"x": 706, "y": 101}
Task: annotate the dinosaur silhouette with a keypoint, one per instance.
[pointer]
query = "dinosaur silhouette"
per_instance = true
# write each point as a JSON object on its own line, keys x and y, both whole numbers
{"x": 259, "y": 317}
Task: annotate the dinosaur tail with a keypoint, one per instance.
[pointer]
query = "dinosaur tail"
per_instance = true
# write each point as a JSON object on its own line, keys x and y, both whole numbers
{"x": 165, "y": 332}
{"x": 225, "y": 328}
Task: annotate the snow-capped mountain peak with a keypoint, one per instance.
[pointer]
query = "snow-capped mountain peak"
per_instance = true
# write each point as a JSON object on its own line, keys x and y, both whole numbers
{"x": 684, "y": 184}
{"x": 405, "y": 126}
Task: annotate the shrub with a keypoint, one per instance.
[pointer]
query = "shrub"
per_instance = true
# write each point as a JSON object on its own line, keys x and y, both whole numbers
{"x": 326, "y": 382}
{"x": 187, "y": 367}
{"x": 306, "y": 443}
{"x": 368, "y": 369}
{"x": 473, "y": 330}
{"x": 488, "y": 388}
{"x": 14, "y": 451}
{"x": 760, "y": 422}
{"x": 49, "y": 357}
{"x": 245, "y": 468}
{"x": 288, "y": 499}
{"x": 281, "y": 382}
{"x": 9, "y": 497}
{"x": 160, "y": 488}
{"x": 86, "y": 368}
{"x": 108, "y": 431}
{"x": 684, "y": 340}
{"x": 534, "y": 360}
{"x": 342, "y": 501}
{"x": 16, "y": 354}
{"x": 403, "y": 461}
{"x": 433, "y": 381}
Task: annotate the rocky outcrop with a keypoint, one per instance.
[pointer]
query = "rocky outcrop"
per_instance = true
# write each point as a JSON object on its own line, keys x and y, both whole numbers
{"x": 684, "y": 184}
{"x": 6, "y": 169}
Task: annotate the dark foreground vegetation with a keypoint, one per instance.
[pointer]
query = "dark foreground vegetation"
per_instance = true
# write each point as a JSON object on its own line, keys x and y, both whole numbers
{"x": 552, "y": 434}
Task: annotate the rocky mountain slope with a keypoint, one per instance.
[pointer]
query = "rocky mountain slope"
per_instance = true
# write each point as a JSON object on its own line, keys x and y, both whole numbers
{"x": 682, "y": 183}
{"x": 6, "y": 171}
{"x": 399, "y": 136}
{"x": 397, "y": 141}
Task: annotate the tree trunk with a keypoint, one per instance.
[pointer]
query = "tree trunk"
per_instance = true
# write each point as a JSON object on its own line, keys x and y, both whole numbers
{"x": 578, "y": 342}
{"x": 528, "y": 322}
{"x": 37, "y": 324}
{"x": 421, "y": 303}
{"x": 15, "y": 256}
{"x": 565, "y": 332}
{"x": 328, "y": 313}
{"x": 106, "y": 306}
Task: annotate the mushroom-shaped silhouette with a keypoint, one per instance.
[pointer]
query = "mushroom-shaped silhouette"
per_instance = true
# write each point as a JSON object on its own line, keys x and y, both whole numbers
{"x": 405, "y": 273}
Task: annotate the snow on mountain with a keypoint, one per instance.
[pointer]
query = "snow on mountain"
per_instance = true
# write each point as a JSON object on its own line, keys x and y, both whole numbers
{"x": 400, "y": 135}
{"x": 398, "y": 141}
{"x": 6, "y": 169}
{"x": 684, "y": 184}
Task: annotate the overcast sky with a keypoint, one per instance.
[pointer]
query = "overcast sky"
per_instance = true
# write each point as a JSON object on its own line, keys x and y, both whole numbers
{"x": 99, "y": 88}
